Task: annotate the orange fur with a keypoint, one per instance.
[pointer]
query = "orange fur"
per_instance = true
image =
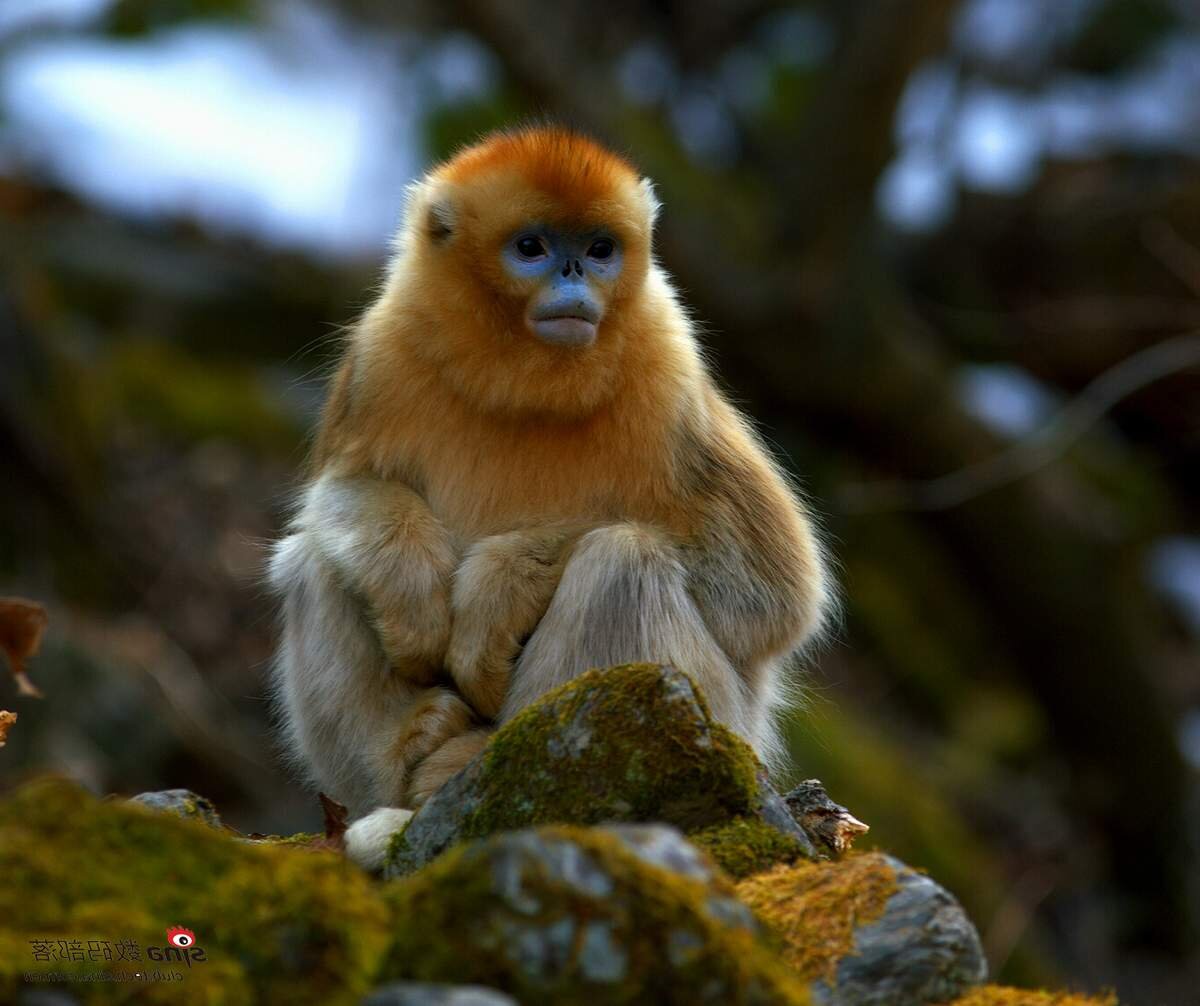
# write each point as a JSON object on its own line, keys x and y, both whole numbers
{"x": 443, "y": 384}
{"x": 557, "y": 506}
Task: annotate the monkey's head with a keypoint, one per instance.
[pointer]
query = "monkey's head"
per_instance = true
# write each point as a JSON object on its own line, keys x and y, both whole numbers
{"x": 525, "y": 262}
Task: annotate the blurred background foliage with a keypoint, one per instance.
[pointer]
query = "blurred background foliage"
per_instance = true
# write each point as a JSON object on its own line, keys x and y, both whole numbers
{"x": 914, "y": 233}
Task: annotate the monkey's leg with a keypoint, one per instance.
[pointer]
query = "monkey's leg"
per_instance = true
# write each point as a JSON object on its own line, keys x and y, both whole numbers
{"x": 623, "y": 597}
{"x": 389, "y": 549}
{"x": 501, "y": 590}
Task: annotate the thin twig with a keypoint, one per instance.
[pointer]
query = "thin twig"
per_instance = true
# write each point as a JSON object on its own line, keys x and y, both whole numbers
{"x": 1177, "y": 255}
{"x": 1038, "y": 450}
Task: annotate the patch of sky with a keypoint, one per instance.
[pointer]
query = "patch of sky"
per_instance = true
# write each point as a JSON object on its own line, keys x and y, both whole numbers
{"x": 1008, "y": 399}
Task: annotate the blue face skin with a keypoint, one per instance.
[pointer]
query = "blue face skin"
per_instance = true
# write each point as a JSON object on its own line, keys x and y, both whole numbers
{"x": 573, "y": 273}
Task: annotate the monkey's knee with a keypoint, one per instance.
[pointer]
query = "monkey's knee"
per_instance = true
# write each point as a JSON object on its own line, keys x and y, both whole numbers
{"x": 626, "y": 542}
{"x": 624, "y": 598}
{"x": 618, "y": 561}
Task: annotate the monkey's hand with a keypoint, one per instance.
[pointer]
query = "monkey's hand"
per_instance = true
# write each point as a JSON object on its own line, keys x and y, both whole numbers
{"x": 501, "y": 590}
{"x": 391, "y": 552}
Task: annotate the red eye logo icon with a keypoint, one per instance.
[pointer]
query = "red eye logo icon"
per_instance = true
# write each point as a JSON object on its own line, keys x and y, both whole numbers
{"x": 177, "y": 936}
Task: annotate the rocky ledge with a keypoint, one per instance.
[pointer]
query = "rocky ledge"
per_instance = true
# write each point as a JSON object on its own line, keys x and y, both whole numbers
{"x": 612, "y": 844}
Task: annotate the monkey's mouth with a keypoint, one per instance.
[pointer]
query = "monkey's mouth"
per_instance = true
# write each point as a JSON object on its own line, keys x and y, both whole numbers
{"x": 562, "y": 325}
{"x": 565, "y": 330}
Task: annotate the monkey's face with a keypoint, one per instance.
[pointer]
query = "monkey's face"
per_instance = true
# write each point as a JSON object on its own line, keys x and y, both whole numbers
{"x": 525, "y": 260}
{"x": 569, "y": 277}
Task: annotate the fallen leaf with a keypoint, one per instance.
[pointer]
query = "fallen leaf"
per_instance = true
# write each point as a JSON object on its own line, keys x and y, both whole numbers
{"x": 335, "y": 824}
{"x": 7, "y": 719}
{"x": 21, "y": 626}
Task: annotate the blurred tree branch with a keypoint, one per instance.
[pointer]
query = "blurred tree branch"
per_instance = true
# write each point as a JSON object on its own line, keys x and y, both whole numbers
{"x": 1160, "y": 360}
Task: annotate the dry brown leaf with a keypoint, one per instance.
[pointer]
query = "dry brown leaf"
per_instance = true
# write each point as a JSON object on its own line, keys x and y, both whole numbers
{"x": 335, "y": 824}
{"x": 21, "y": 626}
{"x": 7, "y": 719}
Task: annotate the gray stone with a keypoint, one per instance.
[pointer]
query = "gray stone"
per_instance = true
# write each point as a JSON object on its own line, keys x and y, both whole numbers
{"x": 632, "y": 743}
{"x": 923, "y": 950}
{"x": 774, "y": 810}
{"x": 665, "y": 848}
{"x": 45, "y": 997}
{"x": 429, "y": 994}
{"x": 181, "y": 803}
{"x": 626, "y": 913}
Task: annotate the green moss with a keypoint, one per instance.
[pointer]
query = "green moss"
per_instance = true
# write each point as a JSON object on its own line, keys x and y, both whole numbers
{"x": 300, "y": 840}
{"x": 998, "y": 995}
{"x": 467, "y": 918}
{"x": 277, "y": 924}
{"x": 627, "y": 743}
{"x": 746, "y": 845}
{"x": 156, "y": 385}
{"x": 814, "y": 908}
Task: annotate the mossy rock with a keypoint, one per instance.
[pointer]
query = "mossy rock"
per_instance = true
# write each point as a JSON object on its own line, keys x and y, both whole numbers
{"x": 868, "y": 931}
{"x": 429, "y": 994}
{"x": 746, "y": 845}
{"x": 276, "y": 924}
{"x": 1001, "y": 995}
{"x": 628, "y": 743}
{"x": 182, "y": 803}
{"x": 574, "y": 915}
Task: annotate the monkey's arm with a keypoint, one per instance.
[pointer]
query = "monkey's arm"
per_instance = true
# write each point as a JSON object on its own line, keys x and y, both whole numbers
{"x": 754, "y": 565}
{"x": 364, "y": 579}
{"x": 388, "y": 550}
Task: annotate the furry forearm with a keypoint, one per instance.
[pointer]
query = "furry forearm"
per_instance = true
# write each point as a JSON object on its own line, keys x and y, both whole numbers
{"x": 390, "y": 551}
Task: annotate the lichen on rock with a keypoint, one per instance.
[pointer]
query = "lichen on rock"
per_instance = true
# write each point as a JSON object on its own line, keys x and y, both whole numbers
{"x": 745, "y": 845}
{"x": 868, "y": 930}
{"x": 182, "y": 803}
{"x": 276, "y": 924}
{"x": 597, "y": 915}
{"x": 1000, "y": 995}
{"x": 430, "y": 994}
{"x": 531, "y": 874}
{"x": 629, "y": 743}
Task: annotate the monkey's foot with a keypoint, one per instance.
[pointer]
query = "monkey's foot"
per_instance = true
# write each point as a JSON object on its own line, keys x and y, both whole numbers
{"x": 435, "y": 718}
{"x": 448, "y": 760}
{"x": 367, "y": 838}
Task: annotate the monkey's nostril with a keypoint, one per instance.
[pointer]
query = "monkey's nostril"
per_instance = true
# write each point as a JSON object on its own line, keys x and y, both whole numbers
{"x": 567, "y": 268}
{"x": 578, "y": 268}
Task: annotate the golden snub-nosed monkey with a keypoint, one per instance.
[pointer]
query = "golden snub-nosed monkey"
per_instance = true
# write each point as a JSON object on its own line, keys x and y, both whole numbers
{"x": 523, "y": 471}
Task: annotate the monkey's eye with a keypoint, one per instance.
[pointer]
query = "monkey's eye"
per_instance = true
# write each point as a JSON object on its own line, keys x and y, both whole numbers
{"x": 530, "y": 246}
{"x": 601, "y": 249}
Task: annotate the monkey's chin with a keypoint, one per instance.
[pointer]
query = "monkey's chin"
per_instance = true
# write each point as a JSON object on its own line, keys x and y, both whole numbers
{"x": 565, "y": 331}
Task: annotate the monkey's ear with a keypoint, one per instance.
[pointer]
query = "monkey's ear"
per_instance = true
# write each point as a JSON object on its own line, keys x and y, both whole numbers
{"x": 646, "y": 187}
{"x": 439, "y": 220}
{"x": 428, "y": 212}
